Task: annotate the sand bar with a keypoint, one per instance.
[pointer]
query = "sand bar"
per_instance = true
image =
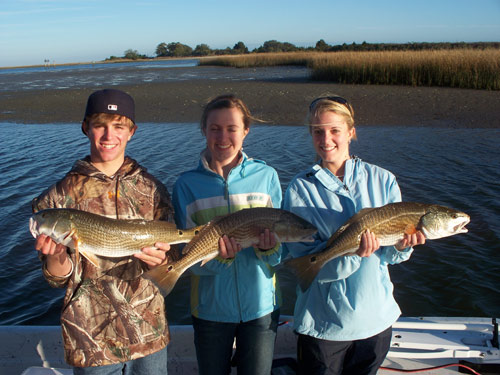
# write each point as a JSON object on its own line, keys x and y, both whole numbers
{"x": 282, "y": 102}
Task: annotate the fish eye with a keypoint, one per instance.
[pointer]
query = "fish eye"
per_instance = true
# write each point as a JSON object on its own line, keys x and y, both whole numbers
{"x": 196, "y": 232}
{"x": 181, "y": 233}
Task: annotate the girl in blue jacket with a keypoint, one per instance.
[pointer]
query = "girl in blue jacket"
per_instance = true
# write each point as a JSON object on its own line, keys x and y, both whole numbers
{"x": 344, "y": 318}
{"x": 234, "y": 296}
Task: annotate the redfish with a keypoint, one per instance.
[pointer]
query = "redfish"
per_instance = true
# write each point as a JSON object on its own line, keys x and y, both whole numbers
{"x": 245, "y": 226}
{"x": 389, "y": 223}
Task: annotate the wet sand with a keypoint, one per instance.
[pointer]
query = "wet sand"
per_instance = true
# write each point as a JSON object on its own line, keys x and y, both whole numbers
{"x": 282, "y": 102}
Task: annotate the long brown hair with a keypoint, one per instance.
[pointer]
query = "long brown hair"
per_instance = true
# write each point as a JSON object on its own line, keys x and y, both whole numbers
{"x": 226, "y": 101}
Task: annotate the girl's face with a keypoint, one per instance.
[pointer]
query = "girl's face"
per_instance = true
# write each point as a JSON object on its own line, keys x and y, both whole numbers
{"x": 331, "y": 137}
{"x": 225, "y": 132}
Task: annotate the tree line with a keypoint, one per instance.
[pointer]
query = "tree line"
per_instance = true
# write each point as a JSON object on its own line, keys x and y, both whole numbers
{"x": 176, "y": 49}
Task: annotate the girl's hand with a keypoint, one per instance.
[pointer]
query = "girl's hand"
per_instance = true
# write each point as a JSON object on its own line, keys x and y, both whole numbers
{"x": 369, "y": 244}
{"x": 228, "y": 247}
{"x": 267, "y": 240}
{"x": 411, "y": 240}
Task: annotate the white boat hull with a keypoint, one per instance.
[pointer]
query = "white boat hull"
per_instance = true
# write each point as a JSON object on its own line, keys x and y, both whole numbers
{"x": 417, "y": 343}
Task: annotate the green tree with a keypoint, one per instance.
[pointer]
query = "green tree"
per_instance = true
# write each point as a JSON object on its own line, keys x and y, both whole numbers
{"x": 131, "y": 54}
{"x": 321, "y": 45}
{"x": 202, "y": 50}
{"x": 161, "y": 50}
{"x": 240, "y": 48}
{"x": 176, "y": 49}
{"x": 275, "y": 46}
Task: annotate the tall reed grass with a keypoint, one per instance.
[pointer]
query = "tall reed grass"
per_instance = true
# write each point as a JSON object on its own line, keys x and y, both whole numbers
{"x": 461, "y": 68}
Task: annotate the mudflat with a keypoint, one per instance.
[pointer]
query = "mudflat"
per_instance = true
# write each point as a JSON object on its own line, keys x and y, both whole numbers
{"x": 282, "y": 102}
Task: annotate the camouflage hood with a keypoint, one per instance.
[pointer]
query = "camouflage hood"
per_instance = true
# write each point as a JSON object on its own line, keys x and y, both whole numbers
{"x": 129, "y": 169}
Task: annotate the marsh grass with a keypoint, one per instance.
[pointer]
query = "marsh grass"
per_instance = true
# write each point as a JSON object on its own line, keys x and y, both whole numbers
{"x": 260, "y": 60}
{"x": 461, "y": 68}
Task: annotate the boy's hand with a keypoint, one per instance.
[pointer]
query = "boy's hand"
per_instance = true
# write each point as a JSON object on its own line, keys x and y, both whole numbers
{"x": 57, "y": 258}
{"x": 154, "y": 256}
{"x": 47, "y": 246}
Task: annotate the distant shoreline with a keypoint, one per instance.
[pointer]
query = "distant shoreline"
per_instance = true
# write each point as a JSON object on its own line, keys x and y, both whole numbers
{"x": 114, "y": 61}
{"x": 280, "y": 101}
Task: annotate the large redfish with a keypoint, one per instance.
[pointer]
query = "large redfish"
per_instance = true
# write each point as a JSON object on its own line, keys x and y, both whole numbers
{"x": 91, "y": 234}
{"x": 389, "y": 223}
{"x": 245, "y": 226}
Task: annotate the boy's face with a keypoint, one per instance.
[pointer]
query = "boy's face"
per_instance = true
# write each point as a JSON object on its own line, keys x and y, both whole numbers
{"x": 108, "y": 140}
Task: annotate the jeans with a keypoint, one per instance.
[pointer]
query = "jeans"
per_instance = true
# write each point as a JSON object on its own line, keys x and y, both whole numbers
{"x": 360, "y": 357}
{"x": 254, "y": 345}
{"x": 153, "y": 364}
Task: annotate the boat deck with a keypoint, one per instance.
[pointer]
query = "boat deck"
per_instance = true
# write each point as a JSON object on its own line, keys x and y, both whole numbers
{"x": 418, "y": 343}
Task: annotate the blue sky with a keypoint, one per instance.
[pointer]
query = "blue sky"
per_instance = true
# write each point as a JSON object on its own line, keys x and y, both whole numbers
{"x": 66, "y": 31}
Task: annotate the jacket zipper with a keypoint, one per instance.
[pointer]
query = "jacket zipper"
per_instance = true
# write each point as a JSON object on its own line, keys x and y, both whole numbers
{"x": 235, "y": 270}
{"x": 117, "y": 189}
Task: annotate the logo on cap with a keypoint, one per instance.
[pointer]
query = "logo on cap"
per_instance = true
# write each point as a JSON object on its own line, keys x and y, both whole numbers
{"x": 112, "y": 107}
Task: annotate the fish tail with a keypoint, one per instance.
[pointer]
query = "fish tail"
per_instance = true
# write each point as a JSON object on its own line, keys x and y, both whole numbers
{"x": 164, "y": 277}
{"x": 305, "y": 269}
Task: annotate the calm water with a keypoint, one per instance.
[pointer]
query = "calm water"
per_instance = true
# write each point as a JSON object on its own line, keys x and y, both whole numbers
{"x": 455, "y": 276}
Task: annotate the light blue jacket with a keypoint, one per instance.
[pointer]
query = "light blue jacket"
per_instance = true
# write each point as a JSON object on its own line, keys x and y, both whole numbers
{"x": 245, "y": 288}
{"x": 351, "y": 298}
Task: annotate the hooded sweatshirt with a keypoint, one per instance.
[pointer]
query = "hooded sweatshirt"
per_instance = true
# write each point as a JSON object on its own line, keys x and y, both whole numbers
{"x": 110, "y": 314}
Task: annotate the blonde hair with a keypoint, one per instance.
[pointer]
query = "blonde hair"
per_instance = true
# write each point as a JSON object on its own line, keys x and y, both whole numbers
{"x": 105, "y": 117}
{"x": 331, "y": 103}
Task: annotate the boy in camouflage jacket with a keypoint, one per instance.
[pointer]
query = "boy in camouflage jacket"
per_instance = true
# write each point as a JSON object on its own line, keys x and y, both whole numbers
{"x": 111, "y": 316}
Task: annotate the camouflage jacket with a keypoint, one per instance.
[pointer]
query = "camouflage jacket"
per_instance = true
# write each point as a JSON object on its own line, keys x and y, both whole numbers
{"x": 110, "y": 314}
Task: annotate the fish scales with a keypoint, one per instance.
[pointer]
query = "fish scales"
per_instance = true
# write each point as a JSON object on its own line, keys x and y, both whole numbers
{"x": 115, "y": 239}
{"x": 389, "y": 223}
{"x": 93, "y": 234}
{"x": 245, "y": 226}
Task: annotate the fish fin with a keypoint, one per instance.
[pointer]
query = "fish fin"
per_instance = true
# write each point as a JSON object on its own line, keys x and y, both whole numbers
{"x": 352, "y": 219}
{"x": 410, "y": 229}
{"x": 76, "y": 244}
{"x": 209, "y": 259}
{"x": 90, "y": 257}
{"x": 185, "y": 249}
{"x": 164, "y": 276}
{"x": 305, "y": 268}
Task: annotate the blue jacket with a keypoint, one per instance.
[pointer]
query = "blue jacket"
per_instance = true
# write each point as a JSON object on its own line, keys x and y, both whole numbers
{"x": 245, "y": 288}
{"x": 351, "y": 298}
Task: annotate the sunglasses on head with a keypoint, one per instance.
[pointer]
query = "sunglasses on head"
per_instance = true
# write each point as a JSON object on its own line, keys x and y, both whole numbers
{"x": 336, "y": 99}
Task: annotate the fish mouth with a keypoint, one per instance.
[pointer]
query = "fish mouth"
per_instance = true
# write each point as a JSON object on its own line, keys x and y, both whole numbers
{"x": 34, "y": 227}
{"x": 460, "y": 228}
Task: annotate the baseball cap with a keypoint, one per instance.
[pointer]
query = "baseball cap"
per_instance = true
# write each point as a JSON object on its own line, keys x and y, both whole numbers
{"x": 111, "y": 101}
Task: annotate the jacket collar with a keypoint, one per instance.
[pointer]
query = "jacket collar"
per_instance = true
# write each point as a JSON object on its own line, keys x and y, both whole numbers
{"x": 329, "y": 180}
{"x": 204, "y": 165}
{"x": 84, "y": 167}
